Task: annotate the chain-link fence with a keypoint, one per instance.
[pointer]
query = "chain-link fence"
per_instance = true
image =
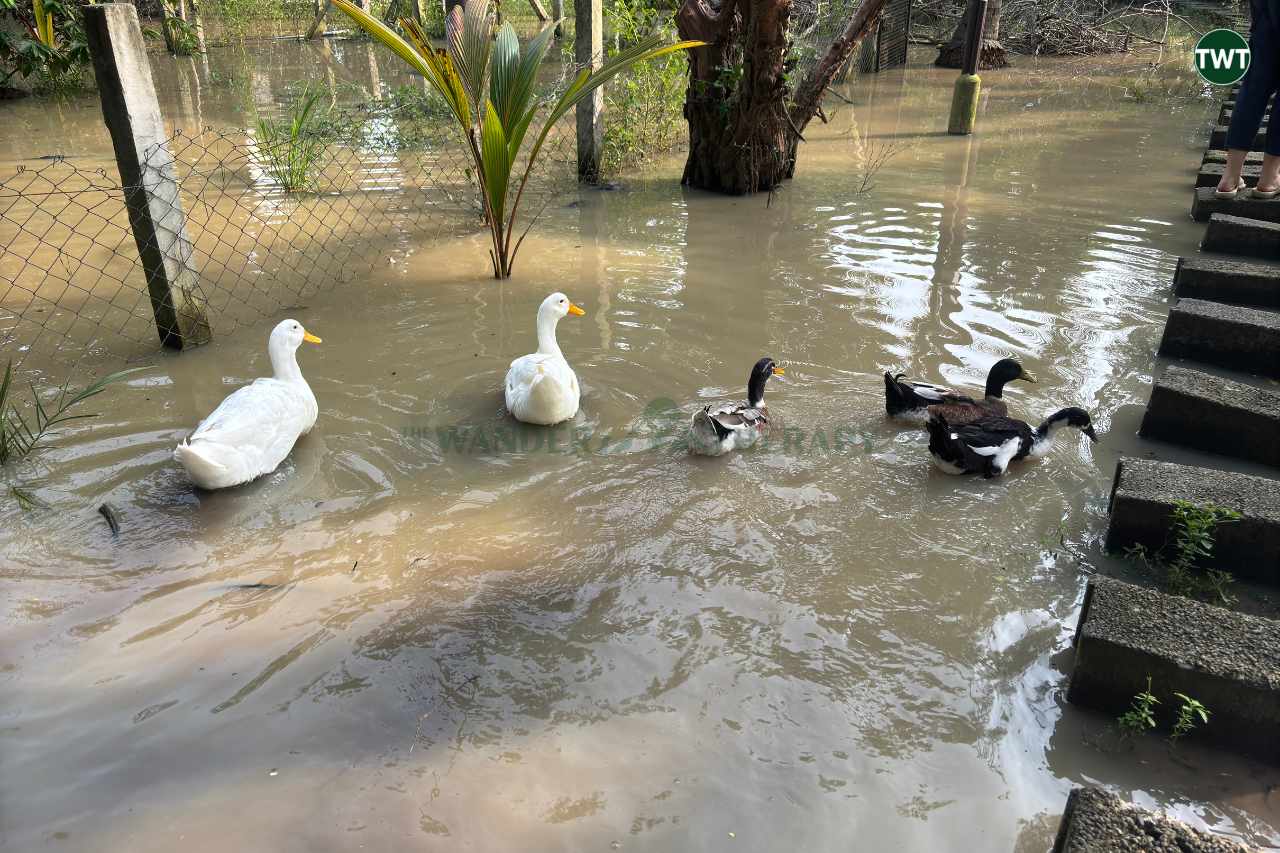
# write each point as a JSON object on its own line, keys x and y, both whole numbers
{"x": 268, "y": 222}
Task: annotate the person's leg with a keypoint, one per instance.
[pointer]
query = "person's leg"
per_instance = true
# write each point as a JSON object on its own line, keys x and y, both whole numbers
{"x": 1255, "y": 91}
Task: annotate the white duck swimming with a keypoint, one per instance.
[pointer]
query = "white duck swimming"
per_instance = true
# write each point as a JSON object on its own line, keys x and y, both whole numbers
{"x": 253, "y": 430}
{"x": 541, "y": 387}
{"x": 729, "y": 426}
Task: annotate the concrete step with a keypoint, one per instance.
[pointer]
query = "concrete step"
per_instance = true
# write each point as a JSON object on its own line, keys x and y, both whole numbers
{"x": 1224, "y": 115}
{"x": 1239, "y": 282}
{"x": 1233, "y": 336}
{"x": 1097, "y": 821}
{"x": 1210, "y": 413}
{"x": 1228, "y": 661}
{"x": 1145, "y": 492}
{"x": 1217, "y": 155}
{"x": 1238, "y": 235}
{"x": 1211, "y": 173}
{"x": 1205, "y": 205}
{"x": 1218, "y": 138}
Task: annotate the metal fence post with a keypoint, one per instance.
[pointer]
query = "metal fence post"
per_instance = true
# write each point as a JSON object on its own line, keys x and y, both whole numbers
{"x": 588, "y": 52}
{"x": 147, "y": 173}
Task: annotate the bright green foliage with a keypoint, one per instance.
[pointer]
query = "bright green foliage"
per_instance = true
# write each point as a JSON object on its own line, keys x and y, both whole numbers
{"x": 489, "y": 86}
{"x": 20, "y": 434}
{"x": 651, "y": 95}
{"x": 49, "y": 48}
{"x": 1186, "y": 570}
{"x": 1188, "y": 711}
{"x": 182, "y": 36}
{"x": 289, "y": 149}
{"x": 1141, "y": 716}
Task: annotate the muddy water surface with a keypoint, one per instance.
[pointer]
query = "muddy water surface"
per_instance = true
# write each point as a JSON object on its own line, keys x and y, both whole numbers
{"x": 435, "y": 629}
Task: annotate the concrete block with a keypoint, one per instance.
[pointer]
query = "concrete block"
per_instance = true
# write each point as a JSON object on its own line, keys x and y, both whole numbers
{"x": 1142, "y": 500}
{"x": 1236, "y": 235}
{"x": 1097, "y": 821}
{"x": 1228, "y": 661}
{"x": 1241, "y": 282}
{"x": 1218, "y": 139}
{"x": 1211, "y": 173}
{"x": 1211, "y": 413}
{"x": 1217, "y": 155}
{"x": 1233, "y": 336}
{"x": 1204, "y": 205}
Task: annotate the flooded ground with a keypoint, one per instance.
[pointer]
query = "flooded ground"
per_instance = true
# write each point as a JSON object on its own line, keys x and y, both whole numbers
{"x": 435, "y": 628}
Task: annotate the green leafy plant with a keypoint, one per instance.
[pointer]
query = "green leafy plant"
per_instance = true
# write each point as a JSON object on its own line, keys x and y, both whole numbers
{"x": 1186, "y": 569}
{"x": 489, "y": 87}
{"x": 1141, "y": 716}
{"x": 46, "y": 44}
{"x": 183, "y": 37}
{"x": 1188, "y": 712}
{"x": 650, "y": 95}
{"x": 290, "y": 150}
{"x": 21, "y": 434}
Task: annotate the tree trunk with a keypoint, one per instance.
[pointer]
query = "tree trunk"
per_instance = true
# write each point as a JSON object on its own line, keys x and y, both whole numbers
{"x": 992, "y": 55}
{"x": 743, "y": 127}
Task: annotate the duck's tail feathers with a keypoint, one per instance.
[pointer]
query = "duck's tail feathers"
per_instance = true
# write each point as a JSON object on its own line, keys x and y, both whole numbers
{"x": 199, "y": 467}
{"x": 709, "y": 426}
{"x": 897, "y": 397}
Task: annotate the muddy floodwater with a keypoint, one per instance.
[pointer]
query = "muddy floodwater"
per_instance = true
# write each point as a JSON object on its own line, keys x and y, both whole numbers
{"x": 435, "y": 629}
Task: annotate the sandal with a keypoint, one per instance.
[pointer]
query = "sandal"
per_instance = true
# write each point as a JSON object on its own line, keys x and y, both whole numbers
{"x": 1265, "y": 195}
{"x": 1217, "y": 193}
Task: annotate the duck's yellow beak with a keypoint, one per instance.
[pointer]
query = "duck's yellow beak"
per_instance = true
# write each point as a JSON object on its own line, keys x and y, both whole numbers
{"x": 310, "y": 338}
{"x": 778, "y": 371}
{"x": 575, "y": 310}
{"x": 1027, "y": 377}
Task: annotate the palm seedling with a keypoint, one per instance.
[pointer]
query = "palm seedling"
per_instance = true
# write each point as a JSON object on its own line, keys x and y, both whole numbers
{"x": 290, "y": 149}
{"x": 21, "y": 434}
{"x": 488, "y": 85}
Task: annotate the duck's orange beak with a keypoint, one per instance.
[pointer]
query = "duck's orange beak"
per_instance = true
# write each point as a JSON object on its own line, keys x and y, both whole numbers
{"x": 575, "y": 310}
{"x": 778, "y": 371}
{"x": 310, "y": 338}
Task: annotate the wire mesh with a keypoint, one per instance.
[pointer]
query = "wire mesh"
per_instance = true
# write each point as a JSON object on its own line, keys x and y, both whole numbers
{"x": 251, "y": 223}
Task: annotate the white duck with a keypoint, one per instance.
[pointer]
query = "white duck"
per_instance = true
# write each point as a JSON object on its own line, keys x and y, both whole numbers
{"x": 253, "y": 430}
{"x": 541, "y": 387}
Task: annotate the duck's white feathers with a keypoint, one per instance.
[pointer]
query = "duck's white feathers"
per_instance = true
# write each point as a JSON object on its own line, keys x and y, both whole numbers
{"x": 252, "y": 431}
{"x": 541, "y": 388}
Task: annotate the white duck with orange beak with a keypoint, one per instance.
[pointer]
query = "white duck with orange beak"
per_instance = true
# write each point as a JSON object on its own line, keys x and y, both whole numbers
{"x": 252, "y": 431}
{"x": 541, "y": 387}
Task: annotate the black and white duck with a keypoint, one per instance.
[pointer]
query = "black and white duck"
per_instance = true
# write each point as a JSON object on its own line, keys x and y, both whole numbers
{"x": 987, "y": 446}
{"x": 716, "y": 430}
{"x": 909, "y": 400}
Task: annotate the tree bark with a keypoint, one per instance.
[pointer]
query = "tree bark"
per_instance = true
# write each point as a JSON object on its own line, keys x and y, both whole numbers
{"x": 743, "y": 128}
{"x": 992, "y": 54}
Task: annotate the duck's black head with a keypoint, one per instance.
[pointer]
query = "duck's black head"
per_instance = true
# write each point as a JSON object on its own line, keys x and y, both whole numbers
{"x": 759, "y": 375}
{"x": 1073, "y": 417}
{"x": 1004, "y": 371}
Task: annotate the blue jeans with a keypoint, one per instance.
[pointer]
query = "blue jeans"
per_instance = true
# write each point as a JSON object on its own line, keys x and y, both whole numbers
{"x": 1260, "y": 81}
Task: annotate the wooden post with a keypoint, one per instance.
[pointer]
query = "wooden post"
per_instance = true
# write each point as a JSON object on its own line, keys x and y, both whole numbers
{"x": 147, "y": 174}
{"x": 964, "y": 100}
{"x": 588, "y": 52}
{"x": 538, "y": 10}
{"x": 557, "y": 14}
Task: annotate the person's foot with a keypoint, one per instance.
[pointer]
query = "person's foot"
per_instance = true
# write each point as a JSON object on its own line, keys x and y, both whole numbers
{"x": 1227, "y": 188}
{"x": 1267, "y": 191}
